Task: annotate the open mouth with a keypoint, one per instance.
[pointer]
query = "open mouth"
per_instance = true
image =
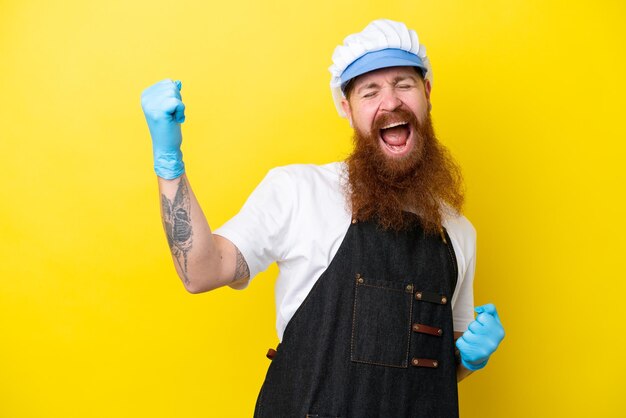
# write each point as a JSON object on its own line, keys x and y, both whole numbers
{"x": 396, "y": 137}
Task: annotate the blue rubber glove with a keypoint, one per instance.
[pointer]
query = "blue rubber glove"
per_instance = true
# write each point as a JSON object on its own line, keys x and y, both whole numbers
{"x": 481, "y": 339}
{"x": 164, "y": 111}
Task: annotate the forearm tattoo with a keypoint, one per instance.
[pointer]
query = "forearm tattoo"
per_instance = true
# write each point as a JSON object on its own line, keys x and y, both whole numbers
{"x": 177, "y": 224}
{"x": 242, "y": 271}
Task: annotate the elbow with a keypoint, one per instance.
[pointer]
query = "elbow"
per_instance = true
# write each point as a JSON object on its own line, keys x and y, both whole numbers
{"x": 194, "y": 286}
{"x": 193, "y": 289}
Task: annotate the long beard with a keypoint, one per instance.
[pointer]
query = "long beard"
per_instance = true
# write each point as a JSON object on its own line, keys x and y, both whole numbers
{"x": 385, "y": 189}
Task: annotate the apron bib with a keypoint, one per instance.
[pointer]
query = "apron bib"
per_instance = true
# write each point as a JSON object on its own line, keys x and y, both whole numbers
{"x": 374, "y": 336}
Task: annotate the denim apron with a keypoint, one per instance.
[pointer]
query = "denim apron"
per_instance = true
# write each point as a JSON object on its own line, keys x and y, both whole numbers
{"x": 374, "y": 336}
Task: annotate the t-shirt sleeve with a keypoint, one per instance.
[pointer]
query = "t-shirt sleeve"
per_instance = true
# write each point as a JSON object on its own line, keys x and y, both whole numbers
{"x": 464, "y": 307}
{"x": 260, "y": 228}
{"x": 463, "y": 237}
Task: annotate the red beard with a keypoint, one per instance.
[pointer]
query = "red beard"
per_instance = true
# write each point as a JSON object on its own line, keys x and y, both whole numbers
{"x": 385, "y": 188}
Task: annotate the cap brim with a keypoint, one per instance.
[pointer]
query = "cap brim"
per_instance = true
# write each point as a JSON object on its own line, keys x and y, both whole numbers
{"x": 380, "y": 59}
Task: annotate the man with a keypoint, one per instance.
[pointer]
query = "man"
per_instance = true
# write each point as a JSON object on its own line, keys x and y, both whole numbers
{"x": 376, "y": 260}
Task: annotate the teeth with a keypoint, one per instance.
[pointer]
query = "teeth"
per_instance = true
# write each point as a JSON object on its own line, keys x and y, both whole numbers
{"x": 391, "y": 125}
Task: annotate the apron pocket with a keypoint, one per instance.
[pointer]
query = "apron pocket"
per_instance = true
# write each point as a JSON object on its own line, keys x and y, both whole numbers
{"x": 381, "y": 322}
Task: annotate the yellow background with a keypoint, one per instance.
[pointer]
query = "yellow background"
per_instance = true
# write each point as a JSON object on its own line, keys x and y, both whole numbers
{"x": 528, "y": 95}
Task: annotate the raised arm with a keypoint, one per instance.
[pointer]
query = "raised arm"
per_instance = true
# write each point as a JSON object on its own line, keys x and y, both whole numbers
{"x": 202, "y": 260}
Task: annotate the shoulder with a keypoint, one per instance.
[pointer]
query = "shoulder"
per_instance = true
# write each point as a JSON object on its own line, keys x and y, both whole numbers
{"x": 290, "y": 187}
{"x": 309, "y": 173}
{"x": 316, "y": 191}
{"x": 294, "y": 179}
{"x": 309, "y": 180}
{"x": 460, "y": 226}
{"x": 460, "y": 230}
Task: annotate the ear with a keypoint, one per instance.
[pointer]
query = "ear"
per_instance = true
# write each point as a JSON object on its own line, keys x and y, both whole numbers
{"x": 427, "y": 88}
{"x": 345, "y": 104}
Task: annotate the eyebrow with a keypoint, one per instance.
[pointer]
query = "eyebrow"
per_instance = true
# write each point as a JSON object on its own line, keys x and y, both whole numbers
{"x": 396, "y": 80}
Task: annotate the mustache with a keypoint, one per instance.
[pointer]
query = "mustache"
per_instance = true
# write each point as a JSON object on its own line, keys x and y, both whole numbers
{"x": 397, "y": 115}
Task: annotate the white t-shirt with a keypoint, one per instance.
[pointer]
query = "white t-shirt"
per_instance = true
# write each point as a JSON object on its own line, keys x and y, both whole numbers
{"x": 298, "y": 216}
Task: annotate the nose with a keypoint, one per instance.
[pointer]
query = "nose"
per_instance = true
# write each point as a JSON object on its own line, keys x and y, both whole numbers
{"x": 389, "y": 100}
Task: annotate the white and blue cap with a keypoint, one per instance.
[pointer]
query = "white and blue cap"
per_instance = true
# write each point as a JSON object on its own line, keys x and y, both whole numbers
{"x": 383, "y": 43}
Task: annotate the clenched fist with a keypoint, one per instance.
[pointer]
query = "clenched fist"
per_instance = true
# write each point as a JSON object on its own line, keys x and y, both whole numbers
{"x": 164, "y": 112}
{"x": 481, "y": 339}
